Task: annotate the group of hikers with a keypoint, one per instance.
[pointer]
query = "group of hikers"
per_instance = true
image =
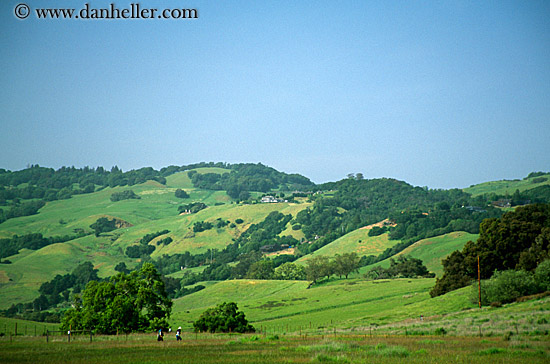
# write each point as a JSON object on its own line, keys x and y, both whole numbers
{"x": 160, "y": 334}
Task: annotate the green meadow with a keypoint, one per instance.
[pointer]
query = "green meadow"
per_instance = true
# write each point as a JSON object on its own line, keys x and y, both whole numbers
{"x": 260, "y": 348}
{"x": 504, "y": 187}
{"x": 336, "y": 320}
{"x": 356, "y": 241}
{"x": 432, "y": 250}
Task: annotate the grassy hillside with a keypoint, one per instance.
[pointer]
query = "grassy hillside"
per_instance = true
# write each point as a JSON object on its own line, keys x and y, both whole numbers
{"x": 341, "y": 303}
{"x": 272, "y": 304}
{"x": 432, "y": 250}
{"x": 390, "y": 306}
{"x": 507, "y": 186}
{"x": 155, "y": 211}
{"x": 357, "y": 241}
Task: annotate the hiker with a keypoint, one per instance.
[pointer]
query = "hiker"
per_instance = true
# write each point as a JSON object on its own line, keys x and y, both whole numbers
{"x": 178, "y": 334}
{"x": 160, "y": 335}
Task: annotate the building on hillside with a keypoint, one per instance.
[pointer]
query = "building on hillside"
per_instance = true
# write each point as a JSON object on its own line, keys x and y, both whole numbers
{"x": 270, "y": 199}
{"x": 503, "y": 202}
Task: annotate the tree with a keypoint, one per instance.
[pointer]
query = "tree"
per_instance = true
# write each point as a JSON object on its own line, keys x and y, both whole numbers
{"x": 223, "y": 318}
{"x": 103, "y": 225}
{"x": 345, "y": 264}
{"x": 124, "y": 195}
{"x": 181, "y": 193}
{"x": 121, "y": 267}
{"x": 127, "y": 302}
{"x": 317, "y": 267}
{"x": 290, "y": 271}
{"x": 518, "y": 240}
{"x": 262, "y": 269}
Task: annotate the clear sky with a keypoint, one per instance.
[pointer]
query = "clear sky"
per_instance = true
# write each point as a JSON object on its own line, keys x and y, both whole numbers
{"x": 436, "y": 93}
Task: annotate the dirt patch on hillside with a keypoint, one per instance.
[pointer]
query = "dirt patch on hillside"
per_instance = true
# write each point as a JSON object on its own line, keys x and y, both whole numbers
{"x": 4, "y": 277}
{"x": 382, "y": 223}
{"x": 281, "y": 252}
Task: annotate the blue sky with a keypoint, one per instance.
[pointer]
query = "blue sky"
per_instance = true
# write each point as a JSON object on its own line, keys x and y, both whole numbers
{"x": 436, "y": 93}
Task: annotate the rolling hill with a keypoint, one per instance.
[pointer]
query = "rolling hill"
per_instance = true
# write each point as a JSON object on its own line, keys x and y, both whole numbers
{"x": 317, "y": 216}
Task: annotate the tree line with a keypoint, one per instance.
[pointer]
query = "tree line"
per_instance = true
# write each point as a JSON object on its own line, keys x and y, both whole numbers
{"x": 246, "y": 177}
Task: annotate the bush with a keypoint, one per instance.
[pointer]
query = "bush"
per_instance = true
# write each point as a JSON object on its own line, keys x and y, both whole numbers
{"x": 124, "y": 195}
{"x": 376, "y": 231}
{"x": 181, "y": 193}
{"x": 505, "y": 287}
{"x": 223, "y": 318}
{"x": 542, "y": 275}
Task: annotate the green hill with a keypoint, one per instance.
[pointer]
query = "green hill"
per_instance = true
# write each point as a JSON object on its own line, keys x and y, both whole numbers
{"x": 356, "y": 241}
{"x": 432, "y": 250}
{"x": 342, "y": 303}
{"x": 240, "y": 228}
{"x": 508, "y": 187}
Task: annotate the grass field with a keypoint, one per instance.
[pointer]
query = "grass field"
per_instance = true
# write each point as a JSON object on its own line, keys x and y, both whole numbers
{"x": 338, "y": 303}
{"x": 356, "y": 241}
{"x": 265, "y": 349}
{"x": 432, "y": 250}
{"x": 9, "y": 326}
{"x": 506, "y": 186}
{"x": 155, "y": 211}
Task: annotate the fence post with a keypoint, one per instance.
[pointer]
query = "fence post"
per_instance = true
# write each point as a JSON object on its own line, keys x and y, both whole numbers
{"x": 16, "y": 329}
{"x": 47, "y": 336}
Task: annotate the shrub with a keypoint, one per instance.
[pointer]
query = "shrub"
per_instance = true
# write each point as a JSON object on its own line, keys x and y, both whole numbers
{"x": 181, "y": 193}
{"x": 505, "y": 287}
{"x": 542, "y": 275}
{"x": 124, "y": 195}
{"x": 223, "y": 318}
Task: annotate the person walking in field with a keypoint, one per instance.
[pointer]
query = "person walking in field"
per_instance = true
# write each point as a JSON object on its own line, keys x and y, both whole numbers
{"x": 160, "y": 335}
{"x": 178, "y": 334}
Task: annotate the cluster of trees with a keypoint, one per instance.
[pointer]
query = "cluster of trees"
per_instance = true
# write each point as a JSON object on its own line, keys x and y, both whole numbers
{"x": 518, "y": 240}
{"x": 224, "y": 317}
{"x": 323, "y": 266}
{"x": 402, "y": 267}
{"x": 246, "y": 177}
{"x": 149, "y": 237}
{"x": 419, "y": 212}
{"x": 540, "y": 194}
{"x": 124, "y": 195}
{"x": 126, "y": 302}
{"x": 21, "y": 209}
{"x": 200, "y": 226}
{"x": 143, "y": 249}
{"x": 52, "y": 293}
{"x": 103, "y": 225}
{"x": 192, "y": 208}
{"x": 13, "y": 245}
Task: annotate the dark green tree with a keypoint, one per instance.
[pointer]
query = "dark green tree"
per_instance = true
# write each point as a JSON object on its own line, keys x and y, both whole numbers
{"x": 103, "y": 225}
{"x": 290, "y": 271}
{"x": 345, "y": 264}
{"x": 181, "y": 193}
{"x": 262, "y": 269}
{"x": 127, "y": 303}
{"x": 223, "y": 318}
